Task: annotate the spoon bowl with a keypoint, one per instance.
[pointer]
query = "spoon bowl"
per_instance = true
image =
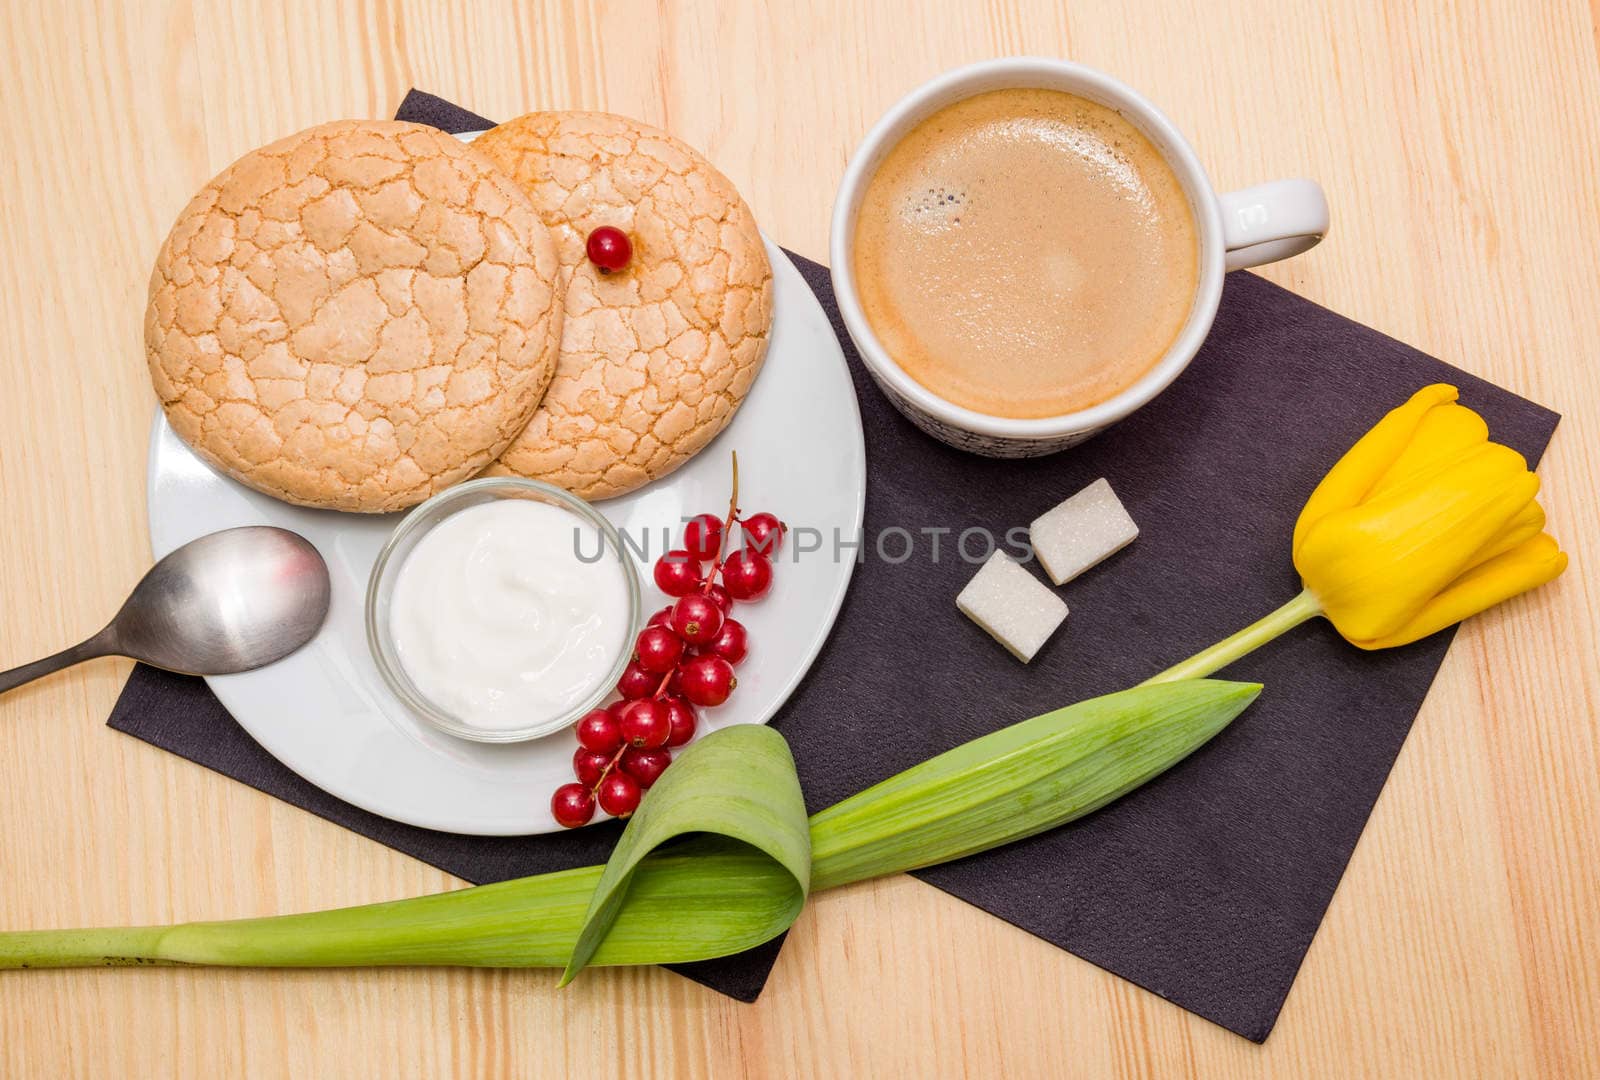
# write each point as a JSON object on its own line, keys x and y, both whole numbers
{"x": 227, "y": 602}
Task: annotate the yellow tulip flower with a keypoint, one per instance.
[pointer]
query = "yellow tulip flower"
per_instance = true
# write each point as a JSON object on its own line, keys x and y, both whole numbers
{"x": 1424, "y": 522}
{"x": 1421, "y": 524}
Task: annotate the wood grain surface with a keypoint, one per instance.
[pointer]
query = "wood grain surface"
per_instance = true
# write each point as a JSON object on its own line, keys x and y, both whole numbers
{"x": 1458, "y": 144}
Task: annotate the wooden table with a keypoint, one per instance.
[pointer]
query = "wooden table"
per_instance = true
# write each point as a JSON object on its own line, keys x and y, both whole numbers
{"x": 1458, "y": 146}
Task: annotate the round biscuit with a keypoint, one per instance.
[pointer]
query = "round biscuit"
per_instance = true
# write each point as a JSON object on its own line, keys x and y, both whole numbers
{"x": 655, "y": 358}
{"x": 354, "y": 317}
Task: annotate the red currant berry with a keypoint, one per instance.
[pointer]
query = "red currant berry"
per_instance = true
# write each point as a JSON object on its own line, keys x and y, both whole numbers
{"x": 719, "y": 596}
{"x": 681, "y": 716}
{"x": 645, "y": 725}
{"x": 675, "y": 680}
{"x": 636, "y": 682}
{"x": 696, "y": 619}
{"x": 732, "y": 643}
{"x": 658, "y": 650}
{"x": 615, "y": 710}
{"x": 572, "y": 805}
{"x": 746, "y": 574}
{"x": 589, "y": 766}
{"x": 708, "y": 680}
{"x": 662, "y": 617}
{"x": 645, "y": 766}
{"x": 703, "y": 536}
{"x": 763, "y": 534}
{"x": 619, "y": 794}
{"x": 599, "y": 731}
{"x": 609, "y": 248}
{"x": 677, "y": 573}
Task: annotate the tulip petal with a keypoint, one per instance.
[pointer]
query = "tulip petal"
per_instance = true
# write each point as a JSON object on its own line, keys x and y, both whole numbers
{"x": 1374, "y": 565}
{"x": 1526, "y": 566}
{"x": 1526, "y": 524}
{"x": 1445, "y": 433}
{"x": 1353, "y": 475}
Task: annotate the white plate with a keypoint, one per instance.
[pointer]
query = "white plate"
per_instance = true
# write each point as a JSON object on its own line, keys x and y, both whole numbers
{"x": 326, "y": 713}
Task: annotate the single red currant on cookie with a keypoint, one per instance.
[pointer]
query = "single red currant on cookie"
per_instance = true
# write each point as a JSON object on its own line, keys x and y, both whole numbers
{"x": 609, "y": 248}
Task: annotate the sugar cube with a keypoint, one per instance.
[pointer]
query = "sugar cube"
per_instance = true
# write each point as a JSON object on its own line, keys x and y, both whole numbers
{"x": 1014, "y": 607}
{"x": 1089, "y": 527}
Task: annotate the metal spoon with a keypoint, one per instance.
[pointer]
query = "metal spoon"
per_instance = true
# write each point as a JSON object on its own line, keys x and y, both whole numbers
{"x": 230, "y": 601}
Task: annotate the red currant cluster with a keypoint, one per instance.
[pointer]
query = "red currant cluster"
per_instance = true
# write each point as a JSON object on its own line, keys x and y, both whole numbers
{"x": 682, "y": 659}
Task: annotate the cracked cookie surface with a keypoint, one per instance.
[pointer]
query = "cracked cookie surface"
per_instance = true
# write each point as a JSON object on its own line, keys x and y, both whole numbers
{"x": 655, "y": 358}
{"x": 355, "y": 317}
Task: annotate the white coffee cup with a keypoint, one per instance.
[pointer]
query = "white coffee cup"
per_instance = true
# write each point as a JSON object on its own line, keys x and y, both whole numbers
{"x": 1256, "y": 225}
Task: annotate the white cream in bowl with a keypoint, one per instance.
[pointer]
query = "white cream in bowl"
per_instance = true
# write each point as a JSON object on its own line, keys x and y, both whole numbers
{"x": 509, "y": 613}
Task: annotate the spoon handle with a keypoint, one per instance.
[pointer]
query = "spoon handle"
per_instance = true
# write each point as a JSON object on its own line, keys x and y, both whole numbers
{"x": 99, "y": 645}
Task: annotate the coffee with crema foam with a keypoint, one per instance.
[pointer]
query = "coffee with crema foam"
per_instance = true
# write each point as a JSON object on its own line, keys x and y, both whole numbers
{"x": 1025, "y": 253}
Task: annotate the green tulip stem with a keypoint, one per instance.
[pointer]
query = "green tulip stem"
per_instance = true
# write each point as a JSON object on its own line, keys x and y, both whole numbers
{"x": 1248, "y": 640}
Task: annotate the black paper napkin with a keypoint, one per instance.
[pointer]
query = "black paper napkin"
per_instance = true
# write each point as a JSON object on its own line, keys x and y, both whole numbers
{"x": 1206, "y": 885}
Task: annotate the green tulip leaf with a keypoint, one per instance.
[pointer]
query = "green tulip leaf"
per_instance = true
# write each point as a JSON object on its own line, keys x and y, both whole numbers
{"x": 738, "y": 784}
{"x": 719, "y": 856}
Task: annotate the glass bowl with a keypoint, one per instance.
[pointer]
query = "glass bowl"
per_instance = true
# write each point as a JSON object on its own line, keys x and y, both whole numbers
{"x": 416, "y": 524}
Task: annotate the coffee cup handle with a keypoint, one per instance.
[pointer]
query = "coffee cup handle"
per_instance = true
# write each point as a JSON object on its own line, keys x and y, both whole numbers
{"x": 1272, "y": 221}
